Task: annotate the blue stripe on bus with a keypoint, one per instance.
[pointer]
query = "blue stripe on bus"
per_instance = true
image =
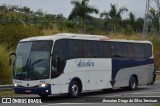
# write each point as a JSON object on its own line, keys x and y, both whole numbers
{"x": 118, "y": 64}
{"x": 34, "y": 90}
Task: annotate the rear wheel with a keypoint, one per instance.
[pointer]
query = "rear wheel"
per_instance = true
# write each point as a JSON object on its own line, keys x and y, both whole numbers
{"x": 154, "y": 78}
{"x": 133, "y": 83}
{"x": 74, "y": 89}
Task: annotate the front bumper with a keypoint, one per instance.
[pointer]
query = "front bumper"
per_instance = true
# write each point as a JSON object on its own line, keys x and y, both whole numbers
{"x": 33, "y": 90}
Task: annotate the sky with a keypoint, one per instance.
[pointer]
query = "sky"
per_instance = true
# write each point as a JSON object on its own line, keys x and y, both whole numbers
{"x": 65, "y": 7}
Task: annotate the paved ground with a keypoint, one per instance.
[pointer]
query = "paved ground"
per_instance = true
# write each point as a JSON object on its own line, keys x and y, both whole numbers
{"x": 151, "y": 92}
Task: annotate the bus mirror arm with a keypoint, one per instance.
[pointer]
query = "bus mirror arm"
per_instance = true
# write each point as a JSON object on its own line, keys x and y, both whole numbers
{"x": 10, "y": 60}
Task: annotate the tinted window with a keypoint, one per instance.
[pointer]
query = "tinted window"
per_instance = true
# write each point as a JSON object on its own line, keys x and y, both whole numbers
{"x": 139, "y": 50}
{"x": 128, "y": 50}
{"x": 60, "y": 49}
{"x": 90, "y": 48}
{"x": 148, "y": 50}
{"x": 117, "y": 49}
{"x": 42, "y": 46}
{"x": 104, "y": 49}
{"x": 75, "y": 49}
{"x": 33, "y": 60}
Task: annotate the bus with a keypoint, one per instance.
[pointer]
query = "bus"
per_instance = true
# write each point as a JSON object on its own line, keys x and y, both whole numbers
{"x": 74, "y": 63}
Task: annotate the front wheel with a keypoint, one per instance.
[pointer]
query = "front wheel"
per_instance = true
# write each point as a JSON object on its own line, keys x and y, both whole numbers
{"x": 133, "y": 83}
{"x": 74, "y": 89}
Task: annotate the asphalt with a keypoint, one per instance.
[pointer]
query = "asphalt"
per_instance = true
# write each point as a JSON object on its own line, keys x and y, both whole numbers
{"x": 144, "y": 96}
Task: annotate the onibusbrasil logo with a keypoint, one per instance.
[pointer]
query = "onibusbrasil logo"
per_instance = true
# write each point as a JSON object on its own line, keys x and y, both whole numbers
{"x": 20, "y": 100}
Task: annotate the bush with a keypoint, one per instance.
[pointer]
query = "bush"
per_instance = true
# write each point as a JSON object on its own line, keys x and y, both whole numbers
{"x": 156, "y": 46}
{"x": 68, "y": 26}
{"x": 92, "y": 30}
{"x": 5, "y": 69}
{"x": 11, "y": 34}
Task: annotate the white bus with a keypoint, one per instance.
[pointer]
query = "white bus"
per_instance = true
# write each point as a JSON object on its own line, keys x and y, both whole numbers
{"x": 74, "y": 63}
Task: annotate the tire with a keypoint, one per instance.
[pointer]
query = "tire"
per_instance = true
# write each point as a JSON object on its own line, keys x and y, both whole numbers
{"x": 133, "y": 83}
{"x": 154, "y": 78}
{"x": 74, "y": 89}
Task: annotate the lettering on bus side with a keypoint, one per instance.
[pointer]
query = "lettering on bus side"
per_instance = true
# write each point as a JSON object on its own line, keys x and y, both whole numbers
{"x": 18, "y": 82}
{"x": 84, "y": 63}
{"x": 42, "y": 81}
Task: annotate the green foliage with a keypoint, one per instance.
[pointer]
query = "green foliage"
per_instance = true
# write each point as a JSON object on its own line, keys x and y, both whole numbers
{"x": 68, "y": 26}
{"x": 11, "y": 34}
{"x": 92, "y": 30}
{"x": 114, "y": 15}
{"x": 81, "y": 10}
{"x": 5, "y": 69}
{"x": 156, "y": 48}
{"x": 127, "y": 31}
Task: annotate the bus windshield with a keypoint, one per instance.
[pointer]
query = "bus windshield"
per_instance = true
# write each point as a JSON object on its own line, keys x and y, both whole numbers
{"x": 32, "y": 60}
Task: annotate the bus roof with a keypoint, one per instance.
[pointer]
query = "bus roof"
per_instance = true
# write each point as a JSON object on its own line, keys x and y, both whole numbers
{"x": 80, "y": 36}
{"x": 66, "y": 35}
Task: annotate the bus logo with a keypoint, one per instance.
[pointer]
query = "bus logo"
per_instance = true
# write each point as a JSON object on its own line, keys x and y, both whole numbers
{"x": 84, "y": 63}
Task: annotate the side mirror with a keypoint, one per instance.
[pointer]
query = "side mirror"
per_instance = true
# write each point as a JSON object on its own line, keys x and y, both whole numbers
{"x": 55, "y": 61}
{"x": 10, "y": 60}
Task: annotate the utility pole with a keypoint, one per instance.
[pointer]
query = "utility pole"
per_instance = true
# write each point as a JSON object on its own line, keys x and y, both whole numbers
{"x": 152, "y": 19}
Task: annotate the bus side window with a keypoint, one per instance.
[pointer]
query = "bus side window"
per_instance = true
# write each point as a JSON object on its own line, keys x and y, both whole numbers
{"x": 129, "y": 50}
{"x": 75, "y": 49}
{"x": 90, "y": 49}
{"x": 104, "y": 49}
{"x": 139, "y": 50}
{"x": 148, "y": 50}
{"x": 117, "y": 49}
{"x": 61, "y": 52}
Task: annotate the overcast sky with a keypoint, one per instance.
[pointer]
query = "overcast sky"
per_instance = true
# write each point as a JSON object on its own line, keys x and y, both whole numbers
{"x": 65, "y": 7}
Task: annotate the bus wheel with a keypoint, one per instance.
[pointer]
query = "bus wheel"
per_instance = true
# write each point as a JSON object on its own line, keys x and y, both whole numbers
{"x": 43, "y": 96}
{"x": 133, "y": 83}
{"x": 154, "y": 78}
{"x": 74, "y": 89}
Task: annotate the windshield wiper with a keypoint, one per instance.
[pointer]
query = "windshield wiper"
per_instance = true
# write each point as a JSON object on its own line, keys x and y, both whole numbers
{"x": 36, "y": 62}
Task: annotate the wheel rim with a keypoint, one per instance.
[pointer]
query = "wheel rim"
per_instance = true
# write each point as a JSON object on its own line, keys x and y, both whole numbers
{"x": 75, "y": 89}
{"x": 133, "y": 84}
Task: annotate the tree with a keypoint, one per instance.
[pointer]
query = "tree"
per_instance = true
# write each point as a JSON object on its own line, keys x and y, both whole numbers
{"x": 139, "y": 24}
{"x": 114, "y": 15}
{"x": 153, "y": 18}
{"x": 39, "y": 12}
{"x": 132, "y": 21}
{"x": 26, "y": 10}
{"x": 81, "y": 10}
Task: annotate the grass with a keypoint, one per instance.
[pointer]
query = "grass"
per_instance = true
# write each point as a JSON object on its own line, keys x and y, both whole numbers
{"x": 158, "y": 77}
{"x": 157, "y": 104}
{"x": 55, "y": 30}
{"x": 135, "y": 36}
{"x": 7, "y": 93}
{"x": 10, "y": 93}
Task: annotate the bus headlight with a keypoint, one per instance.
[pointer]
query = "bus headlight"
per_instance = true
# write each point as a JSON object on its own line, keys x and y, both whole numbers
{"x": 43, "y": 85}
{"x": 15, "y": 85}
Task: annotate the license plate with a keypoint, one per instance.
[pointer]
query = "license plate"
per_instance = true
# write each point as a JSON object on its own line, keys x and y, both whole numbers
{"x": 28, "y": 91}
